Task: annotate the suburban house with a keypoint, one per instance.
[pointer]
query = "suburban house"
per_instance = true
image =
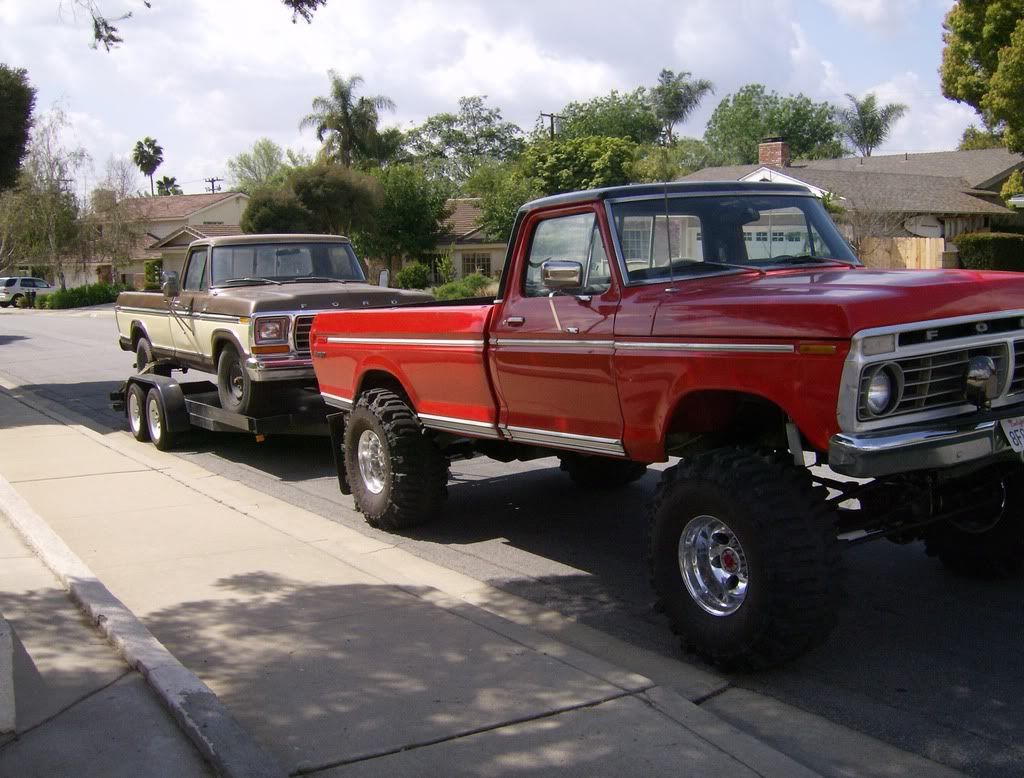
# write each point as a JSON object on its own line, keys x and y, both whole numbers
{"x": 166, "y": 226}
{"x": 899, "y": 210}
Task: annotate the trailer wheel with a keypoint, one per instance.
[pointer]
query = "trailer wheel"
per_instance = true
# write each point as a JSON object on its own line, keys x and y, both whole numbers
{"x": 744, "y": 559}
{"x": 986, "y": 544}
{"x": 144, "y": 355}
{"x": 156, "y": 418}
{"x": 135, "y": 406}
{"x": 398, "y": 476}
{"x": 601, "y": 472}
{"x": 237, "y": 391}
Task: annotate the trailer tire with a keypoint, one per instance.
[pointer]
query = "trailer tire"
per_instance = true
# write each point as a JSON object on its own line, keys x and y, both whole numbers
{"x": 238, "y": 393}
{"x": 160, "y": 432}
{"x": 744, "y": 559}
{"x": 993, "y": 549}
{"x": 144, "y": 355}
{"x": 399, "y": 478}
{"x": 601, "y": 472}
{"x": 135, "y": 408}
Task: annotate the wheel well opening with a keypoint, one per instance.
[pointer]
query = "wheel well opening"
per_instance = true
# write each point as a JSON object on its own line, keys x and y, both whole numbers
{"x": 379, "y": 379}
{"x": 137, "y": 334}
{"x": 713, "y": 418}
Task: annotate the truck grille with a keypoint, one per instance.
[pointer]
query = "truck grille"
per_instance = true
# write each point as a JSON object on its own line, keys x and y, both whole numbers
{"x": 303, "y": 324}
{"x": 1017, "y": 384}
{"x": 937, "y": 380}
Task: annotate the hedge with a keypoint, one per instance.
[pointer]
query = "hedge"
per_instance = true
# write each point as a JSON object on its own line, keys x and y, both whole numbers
{"x": 80, "y": 296}
{"x": 991, "y": 251}
{"x": 465, "y": 288}
{"x": 414, "y": 276}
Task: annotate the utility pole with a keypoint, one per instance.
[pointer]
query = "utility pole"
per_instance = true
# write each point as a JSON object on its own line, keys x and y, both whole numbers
{"x": 551, "y": 117}
{"x": 214, "y": 184}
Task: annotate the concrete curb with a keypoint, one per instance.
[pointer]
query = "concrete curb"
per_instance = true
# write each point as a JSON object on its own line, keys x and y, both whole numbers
{"x": 7, "y": 708}
{"x": 209, "y": 725}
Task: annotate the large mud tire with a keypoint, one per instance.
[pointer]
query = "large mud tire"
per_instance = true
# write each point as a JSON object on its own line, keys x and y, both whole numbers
{"x": 991, "y": 549}
{"x": 399, "y": 478}
{"x": 601, "y": 472}
{"x": 777, "y": 586}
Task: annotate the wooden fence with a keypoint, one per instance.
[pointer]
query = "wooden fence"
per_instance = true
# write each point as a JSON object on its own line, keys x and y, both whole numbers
{"x": 906, "y": 253}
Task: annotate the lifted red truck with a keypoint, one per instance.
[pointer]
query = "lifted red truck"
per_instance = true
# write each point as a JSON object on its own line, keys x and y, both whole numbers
{"x": 729, "y": 325}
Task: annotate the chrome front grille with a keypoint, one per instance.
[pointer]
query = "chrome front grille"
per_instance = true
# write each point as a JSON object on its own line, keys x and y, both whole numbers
{"x": 303, "y": 324}
{"x": 937, "y": 380}
{"x": 1017, "y": 382}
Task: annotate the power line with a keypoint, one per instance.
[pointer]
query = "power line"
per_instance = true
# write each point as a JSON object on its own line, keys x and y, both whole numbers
{"x": 552, "y": 117}
{"x": 213, "y": 182}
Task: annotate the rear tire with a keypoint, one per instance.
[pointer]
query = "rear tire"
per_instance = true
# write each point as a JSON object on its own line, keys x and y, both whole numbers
{"x": 744, "y": 559}
{"x": 144, "y": 356}
{"x": 399, "y": 478}
{"x": 237, "y": 391}
{"x": 156, "y": 421}
{"x": 135, "y": 406}
{"x": 601, "y": 472}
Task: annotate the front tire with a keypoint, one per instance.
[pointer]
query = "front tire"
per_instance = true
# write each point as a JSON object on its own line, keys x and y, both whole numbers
{"x": 237, "y": 391}
{"x": 156, "y": 418}
{"x": 398, "y": 476}
{"x": 135, "y": 404}
{"x": 744, "y": 559}
{"x": 983, "y": 547}
{"x": 601, "y": 472}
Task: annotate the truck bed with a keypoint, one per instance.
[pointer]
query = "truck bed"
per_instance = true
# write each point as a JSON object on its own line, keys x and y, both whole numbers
{"x": 436, "y": 350}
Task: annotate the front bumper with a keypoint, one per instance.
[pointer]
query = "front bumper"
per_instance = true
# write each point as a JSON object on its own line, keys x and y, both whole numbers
{"x": 284, "y": 368}
{"x": 958, "y": 441}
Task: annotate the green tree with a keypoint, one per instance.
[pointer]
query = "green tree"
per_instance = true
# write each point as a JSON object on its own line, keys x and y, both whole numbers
{"x": 983, "y": 63}
{"x": 345, "y": 124}
{"x": 168, "y": 185}
{"x": 17, "y": 101}
{"x": 675, "y": 97}
{"x": 117, "y": 228}
{"x": 501, "y": 200}
{"x": 407, "y": 222}
{"x": 339, "y": 200}
{"x": 626, "y": 115}
{"x": 263, "y": 165}
{"x": 1014, "y": 186}
{"x": 456, "y": 144}
{"x": 866, "y": 124}
{"x": 667, "y": 163}
{"x": 148, "y": 155}
{"x": 568, "y": 164}
{"x": 106, "y": 33}
{"x": 974, "y": 138}
{"x": 742, "y": 120}
{"x": 276, "y": 210}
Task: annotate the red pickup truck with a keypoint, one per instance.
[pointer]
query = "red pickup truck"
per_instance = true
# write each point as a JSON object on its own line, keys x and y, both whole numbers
{"x": 729, "y": 325}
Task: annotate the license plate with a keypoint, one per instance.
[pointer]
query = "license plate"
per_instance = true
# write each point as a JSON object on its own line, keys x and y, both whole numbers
{"x": 1014, "y": 429}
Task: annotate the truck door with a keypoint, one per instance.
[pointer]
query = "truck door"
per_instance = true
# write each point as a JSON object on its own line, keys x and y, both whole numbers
{"x": 552, "y": 350}
{"x": 187, "y": 307}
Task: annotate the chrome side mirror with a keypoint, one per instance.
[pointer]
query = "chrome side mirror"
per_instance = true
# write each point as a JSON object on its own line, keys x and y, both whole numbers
{"x": 384, "y": 279}
{"x": 170, "y": 286}
{"x": 561, "y": 274}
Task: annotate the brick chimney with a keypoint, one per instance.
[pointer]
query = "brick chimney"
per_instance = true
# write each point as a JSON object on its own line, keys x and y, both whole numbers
{"x": 773, "y": 152}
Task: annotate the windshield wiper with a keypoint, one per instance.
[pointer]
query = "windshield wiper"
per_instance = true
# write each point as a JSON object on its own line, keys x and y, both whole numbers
{"x": 808, "y": 259}
{"x": 247, "y": 280}
{"x": 317, "y": 278}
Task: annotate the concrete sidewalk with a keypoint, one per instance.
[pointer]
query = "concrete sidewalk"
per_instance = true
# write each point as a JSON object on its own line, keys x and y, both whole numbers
{"x": 335, "y": 651}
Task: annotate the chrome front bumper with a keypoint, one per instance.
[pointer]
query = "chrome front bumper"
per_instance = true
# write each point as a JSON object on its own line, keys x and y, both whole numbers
{"x": 937, "y": 445}
{"x": 287, "y": 367}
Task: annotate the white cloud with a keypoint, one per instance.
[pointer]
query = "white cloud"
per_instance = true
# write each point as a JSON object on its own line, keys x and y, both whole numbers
{"x": 931, "y": 123}
{"x": 873, "y": 13}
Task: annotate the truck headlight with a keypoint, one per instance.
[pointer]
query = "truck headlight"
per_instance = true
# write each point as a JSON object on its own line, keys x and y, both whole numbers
{"x": 271, "y": 329}
{"x": 884, "y": 389}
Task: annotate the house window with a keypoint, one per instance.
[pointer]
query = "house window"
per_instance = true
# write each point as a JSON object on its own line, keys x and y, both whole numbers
{"x": 636, "y": 243}
{"x": 748, "y": 236}
{"x": 778, "y": 237}
{"x": 762, "y": 237}
{"x": 476, "y": 262}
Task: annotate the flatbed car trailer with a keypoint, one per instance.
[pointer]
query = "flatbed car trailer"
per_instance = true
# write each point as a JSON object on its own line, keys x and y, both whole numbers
{"x": 160, "y": 409}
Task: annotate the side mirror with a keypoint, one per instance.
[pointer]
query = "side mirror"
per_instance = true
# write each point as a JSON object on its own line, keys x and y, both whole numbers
{"x": 384, "y": 279}
{"x": 561, "y": 274}
{"x": 170, "y": 286}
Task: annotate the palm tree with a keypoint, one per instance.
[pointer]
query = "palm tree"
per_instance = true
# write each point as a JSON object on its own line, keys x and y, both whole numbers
{"x": 345, "y": 124}
{"x": 865, "y": 124}
{"x": 168, "y": 185}
{"x": 676, "y": 96}
{"x": 147, "y": 156}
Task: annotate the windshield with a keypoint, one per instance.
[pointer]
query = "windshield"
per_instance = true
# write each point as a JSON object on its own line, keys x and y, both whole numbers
{"x": 723, "y": 234}
{"x": 285, "y": 263}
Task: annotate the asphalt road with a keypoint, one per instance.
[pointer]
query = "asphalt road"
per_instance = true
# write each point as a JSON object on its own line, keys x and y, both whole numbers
{"x": 922, "y": 659}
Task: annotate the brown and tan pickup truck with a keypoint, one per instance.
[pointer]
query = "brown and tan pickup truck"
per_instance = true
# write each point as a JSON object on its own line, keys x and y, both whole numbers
{"x": 242, "y": 309}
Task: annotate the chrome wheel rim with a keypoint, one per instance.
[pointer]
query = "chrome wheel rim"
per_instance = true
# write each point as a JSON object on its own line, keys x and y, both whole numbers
{"x": 713, "y": 565}
{"x": 372, "y": 461}
{"x": 134, "y": 412}
{"x": 155, "y": 422}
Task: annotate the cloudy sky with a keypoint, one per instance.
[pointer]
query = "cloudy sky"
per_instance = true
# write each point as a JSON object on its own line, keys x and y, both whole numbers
{"x": 209, "y": 77}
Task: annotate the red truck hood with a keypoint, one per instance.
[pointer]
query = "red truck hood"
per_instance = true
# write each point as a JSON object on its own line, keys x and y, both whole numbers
{"x": 832, "y": 303}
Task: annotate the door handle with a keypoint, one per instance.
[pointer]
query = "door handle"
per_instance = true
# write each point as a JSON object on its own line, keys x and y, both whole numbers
{"x": 515, "y": 321}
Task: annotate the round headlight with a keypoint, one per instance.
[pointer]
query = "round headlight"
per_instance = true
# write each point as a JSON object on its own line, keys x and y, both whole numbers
{"x": 884, "y": 389}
